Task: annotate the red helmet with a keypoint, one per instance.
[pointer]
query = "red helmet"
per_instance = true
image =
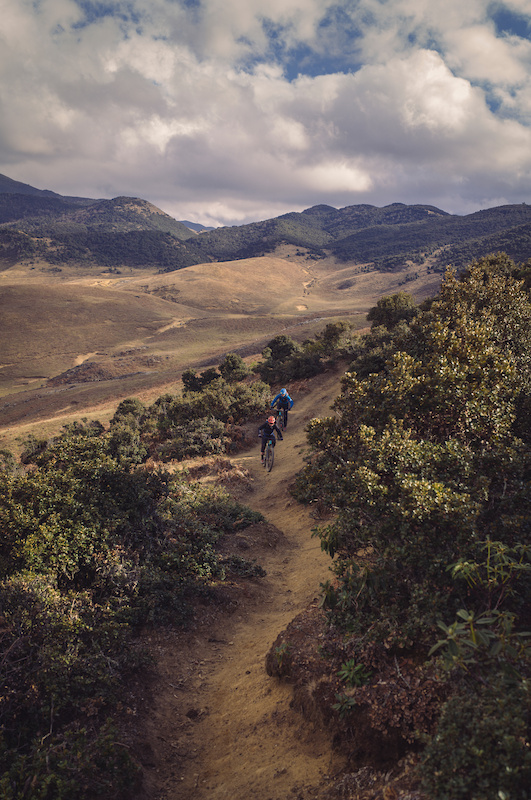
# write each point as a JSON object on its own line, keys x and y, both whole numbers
{"x": 271, "y": 420}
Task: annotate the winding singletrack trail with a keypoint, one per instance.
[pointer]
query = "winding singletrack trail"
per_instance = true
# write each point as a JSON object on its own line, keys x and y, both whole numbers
{"x": 219, "y": 727}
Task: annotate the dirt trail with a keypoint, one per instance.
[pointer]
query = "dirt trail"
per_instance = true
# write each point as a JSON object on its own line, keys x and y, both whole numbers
{"x": 219, "y": 727}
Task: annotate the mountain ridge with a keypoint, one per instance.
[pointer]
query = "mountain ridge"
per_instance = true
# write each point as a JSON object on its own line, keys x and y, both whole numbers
{"x": 135, "y": 233}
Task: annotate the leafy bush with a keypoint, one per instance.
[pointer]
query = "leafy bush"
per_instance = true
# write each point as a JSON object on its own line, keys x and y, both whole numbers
{"x": 77, "y": 764}
{"x": 198, "y": 423}
{"x": 233, "y": 368}
{"x": 426, "y": 468}
{"x": 125, "y": 442}
{"x": 191, "y": 381}
{"x": 129, "y": 411}
{"x": 390, "y": 310}
{"x": 62, "y": 657}
{"x": 421, "y": 462}
{"x": 372, "y": 352}
{"x": 92, "y": 546}
{"x": 200, "y": 437}
{"x": 481, "y": 748}
{"x": 221, "y": 401}
{"x": 196, "y": 383}
{"x": 285, "y": 360}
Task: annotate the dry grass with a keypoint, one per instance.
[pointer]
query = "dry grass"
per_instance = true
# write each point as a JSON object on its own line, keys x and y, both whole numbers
{"x": 140, "y": 330}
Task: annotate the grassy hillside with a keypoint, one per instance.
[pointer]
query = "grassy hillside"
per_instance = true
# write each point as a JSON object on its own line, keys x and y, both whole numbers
{"x": 113, "y": 335}
{"x": 46, "y": 328}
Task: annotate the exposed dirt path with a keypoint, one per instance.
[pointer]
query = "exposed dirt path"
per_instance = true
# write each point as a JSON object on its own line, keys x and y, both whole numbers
{"x": 219, "y": 727}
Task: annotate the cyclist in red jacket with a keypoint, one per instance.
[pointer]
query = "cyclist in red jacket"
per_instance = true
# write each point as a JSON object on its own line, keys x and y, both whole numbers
{"x": 267, "y": 431}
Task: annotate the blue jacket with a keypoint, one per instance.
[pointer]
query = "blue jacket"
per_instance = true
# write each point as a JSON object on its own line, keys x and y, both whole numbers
{"x": 283, "y": 400}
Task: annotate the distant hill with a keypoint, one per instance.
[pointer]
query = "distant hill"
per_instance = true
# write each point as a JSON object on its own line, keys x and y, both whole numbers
{"x": 125, "y": 231}
{"x": 442, "y": 238}
{"x": 16, "y": 187}
{"x": 321, "y": 229}
{"x": 9, "y": 186}
{"x": 196, "y": 226}
{"x": 121, "y": 215}
{"x": 391, "y": 238}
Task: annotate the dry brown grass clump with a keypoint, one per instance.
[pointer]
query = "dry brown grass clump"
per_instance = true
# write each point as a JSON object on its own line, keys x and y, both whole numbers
{"x": 222, "y": 472}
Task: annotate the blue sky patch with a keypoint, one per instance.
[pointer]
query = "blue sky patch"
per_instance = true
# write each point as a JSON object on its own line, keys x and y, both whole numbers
{"x": 508, "y": 22}
{"x": 94, "y": 11}
{"x": 332, "y": 51}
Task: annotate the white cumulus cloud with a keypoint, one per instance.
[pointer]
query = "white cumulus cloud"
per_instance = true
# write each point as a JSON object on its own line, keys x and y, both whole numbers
{"x": 229, "y": 110}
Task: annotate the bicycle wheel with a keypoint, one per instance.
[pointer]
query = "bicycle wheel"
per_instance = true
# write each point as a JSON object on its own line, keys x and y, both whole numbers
{"x": 269, "y": 456}
{"x": 280, "y": 420}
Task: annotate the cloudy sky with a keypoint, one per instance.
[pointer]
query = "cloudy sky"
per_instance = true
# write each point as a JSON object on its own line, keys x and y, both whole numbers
{"x": 228, "y": 111}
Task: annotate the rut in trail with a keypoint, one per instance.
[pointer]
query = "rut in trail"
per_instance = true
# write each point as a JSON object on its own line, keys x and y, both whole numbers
{"x": 219, "y": 727}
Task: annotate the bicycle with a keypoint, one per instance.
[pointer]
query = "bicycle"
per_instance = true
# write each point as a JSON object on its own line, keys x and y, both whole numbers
{"x": 280, "y": 419}
{"x": 269, "y": 455}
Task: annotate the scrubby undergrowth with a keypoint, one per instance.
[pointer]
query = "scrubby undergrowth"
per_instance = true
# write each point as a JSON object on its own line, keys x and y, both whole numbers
{"x": 99, "y": 540}
{"x": 425, "y": 471}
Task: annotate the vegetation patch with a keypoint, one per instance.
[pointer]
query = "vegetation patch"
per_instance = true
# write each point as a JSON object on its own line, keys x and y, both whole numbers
{"x": 284, "y": 360}
{"x": 99, "y": 541}
{"x": 94, "y": 547}
{"x": 425, "y": 468}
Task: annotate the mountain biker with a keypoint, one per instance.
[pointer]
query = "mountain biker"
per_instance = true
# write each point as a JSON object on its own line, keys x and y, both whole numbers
{"x": 283, "y": 401}
{"x": 267, "y": 431}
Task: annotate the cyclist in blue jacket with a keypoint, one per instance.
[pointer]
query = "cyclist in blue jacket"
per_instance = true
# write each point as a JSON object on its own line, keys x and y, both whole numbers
{"x": 283, "y": 401}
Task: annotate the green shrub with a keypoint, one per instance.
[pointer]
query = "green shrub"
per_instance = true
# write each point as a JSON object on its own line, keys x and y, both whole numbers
{"x": 392, "y": 309}
{"x": 421, "y": 463}
{"x": 79, "y": 764}
{"x": 125, "y": 442}
{"x": 281, "y": 347}
{"x": 130, "y": 410}
{"x": 196, "y": 383}
{"x": 481, "y": 748}
{"x": 191, "y": 381}
{"x": 233, "y": 368}
{"x": 200, "y": 437}
{"x": 7, "y": 461}
{"x": 214, "y": 506}
{"x": 219, "y": 402}
{"x": 62, "y": 657}
{"x": 284, "y": 360}
{"x": 92, "y": 547}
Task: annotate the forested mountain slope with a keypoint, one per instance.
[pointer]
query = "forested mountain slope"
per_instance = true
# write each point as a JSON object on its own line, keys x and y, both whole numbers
{"x": 38, "y": 224}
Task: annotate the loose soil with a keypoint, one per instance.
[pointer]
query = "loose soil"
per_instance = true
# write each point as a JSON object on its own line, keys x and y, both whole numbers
{"x": 213, "y": 724}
